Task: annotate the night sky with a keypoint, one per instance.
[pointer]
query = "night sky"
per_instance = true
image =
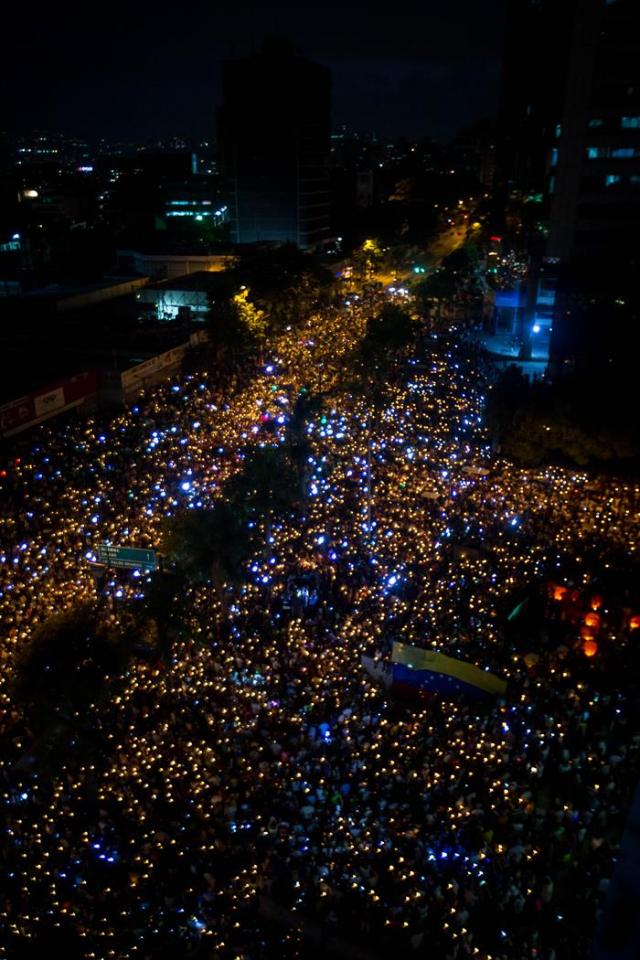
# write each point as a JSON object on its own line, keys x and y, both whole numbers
{"x": 146, "y": 69}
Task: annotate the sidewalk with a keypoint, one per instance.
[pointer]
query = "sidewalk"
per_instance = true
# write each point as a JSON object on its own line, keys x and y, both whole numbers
{"x": 503, "y": 347}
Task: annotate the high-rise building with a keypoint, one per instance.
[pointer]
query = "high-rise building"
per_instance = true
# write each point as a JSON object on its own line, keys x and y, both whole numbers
{"x": 570, "y": 149}
{"x": 534, "y": 71}
{"x": 274, "y": 134}
{"x": 594, "y": 230}
{"x": 534, "y": 74}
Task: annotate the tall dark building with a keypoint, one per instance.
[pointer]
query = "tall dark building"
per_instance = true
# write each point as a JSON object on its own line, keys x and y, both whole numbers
{"x": 534, "y": 77}
{"x": 534, "y": 72}
{"x": 594, "y": 230}
{"x": 274, "y": 134}
{"x": 570, "y": 148}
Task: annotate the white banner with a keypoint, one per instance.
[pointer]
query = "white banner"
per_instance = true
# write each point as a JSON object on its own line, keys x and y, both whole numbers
{"x": 46, "y": 403}
{"x": 135, "y": 377}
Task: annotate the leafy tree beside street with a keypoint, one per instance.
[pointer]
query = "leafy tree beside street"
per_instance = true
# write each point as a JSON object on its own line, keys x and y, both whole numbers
{"x": 565, "y": 422}
{"x": 68, "y": 661}
{"x": 267, "y": 486}
{"x": 208, "y": 544}
{"x": 285, "y": 284}
{"x": 387, "y": 330}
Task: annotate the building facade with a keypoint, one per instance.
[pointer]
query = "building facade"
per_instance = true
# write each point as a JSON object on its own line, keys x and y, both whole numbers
{"x": 274, "y": 135}
{"x": 594, "y": 229}
{"x": 570, "y": 143}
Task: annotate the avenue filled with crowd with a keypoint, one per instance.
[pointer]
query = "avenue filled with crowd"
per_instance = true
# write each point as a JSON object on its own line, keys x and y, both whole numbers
{"x": 255, "y": 792}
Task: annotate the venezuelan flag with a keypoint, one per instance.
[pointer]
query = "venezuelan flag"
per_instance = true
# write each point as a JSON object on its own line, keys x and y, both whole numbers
{"x": 431, "y": 672}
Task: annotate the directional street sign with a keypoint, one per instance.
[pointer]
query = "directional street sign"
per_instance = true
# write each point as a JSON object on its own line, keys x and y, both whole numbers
{"x": 129, "y": 558}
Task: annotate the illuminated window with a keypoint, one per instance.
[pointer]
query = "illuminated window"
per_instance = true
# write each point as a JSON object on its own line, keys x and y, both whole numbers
{"x": 558, "y": 130}
{"x": 595, "y": 123}
{"x": 630, "y": 123}
{"x": 616, "y": 153}
{"x": 611, "y": 179}
{"x": 554, "y": 157}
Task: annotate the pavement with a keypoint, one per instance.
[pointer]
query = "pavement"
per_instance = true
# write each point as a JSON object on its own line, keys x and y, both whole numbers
{"x": 503, "y": 347}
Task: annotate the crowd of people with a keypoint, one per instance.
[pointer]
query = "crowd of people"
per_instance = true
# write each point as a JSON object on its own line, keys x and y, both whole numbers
{"x": 256, "y": 793}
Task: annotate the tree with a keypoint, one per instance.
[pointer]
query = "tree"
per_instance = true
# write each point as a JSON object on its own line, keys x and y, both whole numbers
{"x": 509, "y": 394}
{"x": 463, "y": 260}
{"x": 285, "y": 283}
{"x": 306, "y": 404}
{"x": 229, "y": 336}
{"x": 368, "y": 257}
{"x": 388, "y": 330}
{"x": 158, "y": 617}
{"x": 565, "y": 422}
{"x": 252, "y": 319}
{"x": 441, "y": 284}
{"x": 68, "y": 662}
{"x": 267, "y": 485}
{"x": 208, "y": 544}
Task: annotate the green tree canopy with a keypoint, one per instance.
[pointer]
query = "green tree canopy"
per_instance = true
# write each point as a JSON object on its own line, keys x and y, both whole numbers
{"x": 284, "y": 281}
{"x": 268, "y": 482}
{"x": 441, "y": 284}
{"x": 387, "y": 330}
{"x": 566, "y": 422}
{"x": 230, "y": 338}
{"x": 462, "y": 260}
{"x": 158, "y": 617}
{"x": 68, "y": 660}
{"x": 208, "y": 544}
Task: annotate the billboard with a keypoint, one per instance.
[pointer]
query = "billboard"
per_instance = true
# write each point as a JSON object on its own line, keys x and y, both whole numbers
{"x": 136, "y": 379}
{"x": 34, "y": 408}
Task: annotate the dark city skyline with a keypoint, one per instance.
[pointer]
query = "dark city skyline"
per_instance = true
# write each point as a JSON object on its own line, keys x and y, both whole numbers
{"x": 142, "y": 72}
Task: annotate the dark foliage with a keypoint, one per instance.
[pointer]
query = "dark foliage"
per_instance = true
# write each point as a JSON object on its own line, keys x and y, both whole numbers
{"x": 573, "y": 421}
{"x": 208, "y": 544}
{"x": 387, "y": 330}
{"x": 68, "y": 661}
